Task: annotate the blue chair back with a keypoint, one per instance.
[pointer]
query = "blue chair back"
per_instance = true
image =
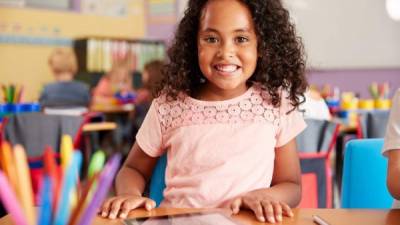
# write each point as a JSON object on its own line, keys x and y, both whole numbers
{"x": 364, "y": 175}
{"x": 157, "y": 181}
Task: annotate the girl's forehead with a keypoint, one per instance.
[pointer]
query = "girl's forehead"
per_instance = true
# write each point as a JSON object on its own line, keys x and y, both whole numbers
{"x": 227, "y": 14}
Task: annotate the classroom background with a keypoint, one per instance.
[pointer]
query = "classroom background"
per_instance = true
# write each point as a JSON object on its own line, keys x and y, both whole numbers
{"x": 353, "y": 68}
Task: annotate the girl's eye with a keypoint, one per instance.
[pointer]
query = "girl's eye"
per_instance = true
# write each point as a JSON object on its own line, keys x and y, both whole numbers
{"x": 211, "y": 40}
{"x": 242, "y": 39}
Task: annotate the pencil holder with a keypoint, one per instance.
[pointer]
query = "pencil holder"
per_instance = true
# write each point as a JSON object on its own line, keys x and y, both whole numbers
{"x": 383, "y": 104}
{"x": 366, "y": 104}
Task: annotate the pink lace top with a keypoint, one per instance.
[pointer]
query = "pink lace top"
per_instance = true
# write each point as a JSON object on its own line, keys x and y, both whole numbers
{"x": 217, "y": 149}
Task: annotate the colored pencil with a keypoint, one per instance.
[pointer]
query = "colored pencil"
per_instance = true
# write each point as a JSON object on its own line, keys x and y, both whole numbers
{"x": 50, "y": 169}
{"x": 104, "y": 183}
{"x": 45, "y": 200}
{"x": 69, "y": 182}
{"x": 8, "y": 165}
{"x": 84, "y": 200}
{"x": 96, "y": 163}
{"x": 24, "y": 184}
{"x": 10, "y": 201}
{"x": 66, "y": 151}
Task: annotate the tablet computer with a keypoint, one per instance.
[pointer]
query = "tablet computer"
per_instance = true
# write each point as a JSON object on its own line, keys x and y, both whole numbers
{"x": 201, "y": 218}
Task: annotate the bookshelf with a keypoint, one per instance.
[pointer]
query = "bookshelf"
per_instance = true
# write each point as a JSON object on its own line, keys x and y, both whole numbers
{"x": 96, "y": 55}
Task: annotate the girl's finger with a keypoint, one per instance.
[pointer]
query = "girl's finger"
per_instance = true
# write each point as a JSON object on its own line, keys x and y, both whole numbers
{"x": 128, "y": 205}
{"x": 149, "y": 204}
{"x": 105, "y": 208}
{"x": 115, "y": 207}
{"x": 257, "y": 209}
{"x": 235, "y": 205}
{"x": 277, "y": 211}
{"x": 286, "y": 210}
{"x": 268, "y": 211}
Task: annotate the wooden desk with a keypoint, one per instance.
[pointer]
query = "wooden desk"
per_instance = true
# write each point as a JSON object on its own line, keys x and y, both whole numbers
{"x": 100, "y": 126}
{"x": 302, "y": 217}
{"x": 113, "y": 108}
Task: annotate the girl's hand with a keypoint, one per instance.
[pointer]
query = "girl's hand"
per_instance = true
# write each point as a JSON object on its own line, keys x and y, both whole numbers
{"x": 264, "y": 207}
{"x": 120, "y": 206}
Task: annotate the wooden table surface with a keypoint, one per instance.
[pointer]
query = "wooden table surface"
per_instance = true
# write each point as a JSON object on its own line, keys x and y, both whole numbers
{"x": 99, "y": 126}
{"x": 302, "y": 217}
{"x": 113, "y": 108}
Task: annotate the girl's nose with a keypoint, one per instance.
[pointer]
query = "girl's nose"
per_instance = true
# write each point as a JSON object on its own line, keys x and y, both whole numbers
{"x": 226, "y": 50}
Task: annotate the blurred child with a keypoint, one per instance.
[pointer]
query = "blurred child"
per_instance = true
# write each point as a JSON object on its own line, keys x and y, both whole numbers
{"x": 151, "y": 76}
{"x": 64, "y": 92}
{"x": 226, "y": 115}
{"x": 391, "y": 149}
{"x": 117, "y": 81}
{"x": 314, "y": 106}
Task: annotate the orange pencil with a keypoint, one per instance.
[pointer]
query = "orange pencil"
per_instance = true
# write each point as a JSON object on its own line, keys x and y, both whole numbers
{"x": 24, "y": 184}
{"x": 8, "y": 165}
{"x": 50, "y": 168}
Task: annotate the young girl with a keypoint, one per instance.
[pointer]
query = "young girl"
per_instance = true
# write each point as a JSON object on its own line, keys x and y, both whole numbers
{"x": 227, "y": 118}
{"x": 391, "y": 149}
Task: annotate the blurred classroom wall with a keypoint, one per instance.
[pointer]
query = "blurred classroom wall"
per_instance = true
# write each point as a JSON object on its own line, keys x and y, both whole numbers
{"x": 24, "y": 59}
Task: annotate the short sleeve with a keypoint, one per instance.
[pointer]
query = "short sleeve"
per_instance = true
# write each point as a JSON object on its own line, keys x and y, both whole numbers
{"x": 291, "y": 122}
{"x": 149, "y": 136}
{"x": 392, "y": 137}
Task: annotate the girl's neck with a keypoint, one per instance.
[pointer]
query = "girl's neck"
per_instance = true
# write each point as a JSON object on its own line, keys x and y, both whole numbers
{"x": 211, "y": 93}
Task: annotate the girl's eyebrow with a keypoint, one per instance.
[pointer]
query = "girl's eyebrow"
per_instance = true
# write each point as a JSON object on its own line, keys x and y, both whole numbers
{"x": 235, "y": 31}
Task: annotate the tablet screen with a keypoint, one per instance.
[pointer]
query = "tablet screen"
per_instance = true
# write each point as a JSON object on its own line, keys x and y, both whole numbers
{"x": 212, "y": 218}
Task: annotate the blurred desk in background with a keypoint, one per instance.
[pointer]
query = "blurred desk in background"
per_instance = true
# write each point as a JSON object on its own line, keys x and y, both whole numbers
{"x": 113, "y": 108}
{"x": 99, "y": 126}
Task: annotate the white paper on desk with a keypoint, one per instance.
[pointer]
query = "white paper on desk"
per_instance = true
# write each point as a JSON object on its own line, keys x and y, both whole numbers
{"x": 185, "y": 219}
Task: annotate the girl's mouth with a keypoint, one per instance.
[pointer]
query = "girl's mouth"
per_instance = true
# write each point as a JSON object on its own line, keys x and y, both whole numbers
{"x": 226, "y": 68}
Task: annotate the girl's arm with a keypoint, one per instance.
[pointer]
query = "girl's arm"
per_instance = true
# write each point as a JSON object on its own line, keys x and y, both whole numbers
{"x": 135, "y": 172}
{"x": 393, "y": 173}
{"x": 286, "y": 181}
{"x": 269, "y": 204}
{"x": 130, "y": 183}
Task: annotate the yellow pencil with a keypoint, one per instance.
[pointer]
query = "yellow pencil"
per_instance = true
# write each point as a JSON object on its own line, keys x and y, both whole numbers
{"x": 66, "y": 151}
{"x": 24, "y": 184}
{"x": 66, "y": 156}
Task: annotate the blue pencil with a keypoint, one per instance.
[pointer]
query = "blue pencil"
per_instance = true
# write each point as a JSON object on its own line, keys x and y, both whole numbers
{"x": 45, "y": 198}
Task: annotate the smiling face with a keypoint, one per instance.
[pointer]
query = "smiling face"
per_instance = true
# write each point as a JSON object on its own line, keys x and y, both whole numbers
{"x": 227, "y": 48}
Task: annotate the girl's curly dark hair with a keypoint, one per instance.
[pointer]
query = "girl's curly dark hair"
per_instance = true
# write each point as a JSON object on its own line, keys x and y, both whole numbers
{"x": 281, "y": 61}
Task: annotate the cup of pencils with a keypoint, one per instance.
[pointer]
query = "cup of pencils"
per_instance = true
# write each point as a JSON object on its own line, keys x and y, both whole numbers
{"x": 380, "y": 94}
{"x": 62, "y": 200}
{"x": 12, "y": 93}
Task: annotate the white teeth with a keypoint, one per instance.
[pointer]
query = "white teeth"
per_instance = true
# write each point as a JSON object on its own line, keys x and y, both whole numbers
{"x": 226, "y": 68}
